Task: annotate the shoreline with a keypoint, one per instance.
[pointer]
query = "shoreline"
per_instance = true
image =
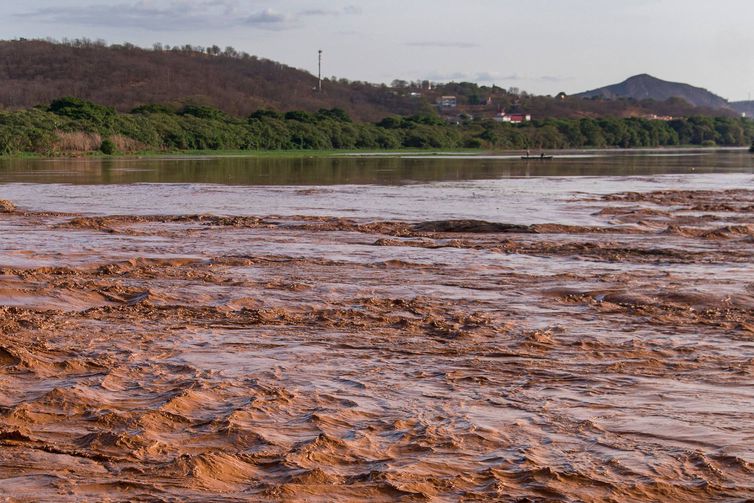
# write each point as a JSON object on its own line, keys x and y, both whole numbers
{"x": 298, "y": 154}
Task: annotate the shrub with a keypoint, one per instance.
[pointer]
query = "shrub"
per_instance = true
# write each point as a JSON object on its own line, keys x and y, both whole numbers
{"x": 155, "y": 108}
{"x": 107, "y": 147}
{"x": 92, "y": 115}
{"x": 78, "y": 141}
{"x": 337, "y": 114}
{"x": 391, "y": 123}
{"x": 472, "y": 143}
{"x": 125, "y": 144}
{"x": 300, "y": 116}
{"x": 261, "y": 114}
{"x": 204, "y": 112}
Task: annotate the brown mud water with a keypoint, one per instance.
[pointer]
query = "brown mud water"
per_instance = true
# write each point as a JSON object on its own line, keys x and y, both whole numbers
{"x": 192, "y": 357}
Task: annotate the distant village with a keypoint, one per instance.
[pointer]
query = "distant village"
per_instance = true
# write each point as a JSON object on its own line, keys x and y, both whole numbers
{"x": 458, "y": 109}
{"x": 448, "y": 108}
{"x": 487, "y": 102}
{"x": 448, "y": 105}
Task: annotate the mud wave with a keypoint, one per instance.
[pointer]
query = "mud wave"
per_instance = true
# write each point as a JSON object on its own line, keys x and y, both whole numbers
{"x": 305, "y": 358}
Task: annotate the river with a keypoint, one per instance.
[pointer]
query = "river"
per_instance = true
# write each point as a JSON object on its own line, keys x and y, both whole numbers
{"x": 413, "y": 328}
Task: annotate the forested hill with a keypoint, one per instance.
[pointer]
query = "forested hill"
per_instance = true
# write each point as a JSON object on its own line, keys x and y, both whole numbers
{"x": 34, "y": 72}
{"x": 647, "y": 87}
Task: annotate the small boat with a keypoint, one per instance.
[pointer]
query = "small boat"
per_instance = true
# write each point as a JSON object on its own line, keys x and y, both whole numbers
{"x": 541, "y": 157}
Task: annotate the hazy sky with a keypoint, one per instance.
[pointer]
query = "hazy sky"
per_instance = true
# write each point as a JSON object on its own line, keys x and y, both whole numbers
{"x": 542, "y": 46}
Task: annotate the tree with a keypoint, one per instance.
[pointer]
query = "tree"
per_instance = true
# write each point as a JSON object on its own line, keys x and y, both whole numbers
{"x": 96, "y": 117}
{"x": 300, "y": 116}
{"x": 334, "y": 113}
{"x": 260, "y": 114}
{"x": 107, "y": 147}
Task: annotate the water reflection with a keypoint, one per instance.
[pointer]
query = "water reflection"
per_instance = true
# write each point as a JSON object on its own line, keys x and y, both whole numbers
{"x": 364, "y": 169}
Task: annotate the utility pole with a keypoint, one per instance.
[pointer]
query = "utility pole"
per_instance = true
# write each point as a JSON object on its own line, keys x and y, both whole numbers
{"x": 319, "y": 73}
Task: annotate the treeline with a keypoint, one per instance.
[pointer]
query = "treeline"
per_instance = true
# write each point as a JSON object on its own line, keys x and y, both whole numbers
{"x": 71, "y": 125}
{"x": 87, "y": 43}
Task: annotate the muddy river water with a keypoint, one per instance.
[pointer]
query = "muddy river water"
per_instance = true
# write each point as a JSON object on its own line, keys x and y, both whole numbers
{"x": 429, "y": 328}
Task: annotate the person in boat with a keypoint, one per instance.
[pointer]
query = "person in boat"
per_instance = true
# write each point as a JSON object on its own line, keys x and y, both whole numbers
{"x": 528, "y": 153}
{"x": 542, "y": 155}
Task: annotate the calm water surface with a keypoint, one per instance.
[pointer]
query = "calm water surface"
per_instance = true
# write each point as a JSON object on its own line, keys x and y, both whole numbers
{"x": 411, "y": 187}
{"x": 369, "y": 169}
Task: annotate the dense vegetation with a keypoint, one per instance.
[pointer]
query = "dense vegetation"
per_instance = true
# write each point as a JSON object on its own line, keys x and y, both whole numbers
{"x": 71, "y": 125}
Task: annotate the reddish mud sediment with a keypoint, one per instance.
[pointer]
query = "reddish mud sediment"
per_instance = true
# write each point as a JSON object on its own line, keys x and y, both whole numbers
{"x": 237, "y": 358}
{"x": 7, "y": 206}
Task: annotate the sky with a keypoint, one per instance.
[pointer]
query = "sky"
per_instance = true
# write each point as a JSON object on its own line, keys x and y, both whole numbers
{"x": 540, "y": 46}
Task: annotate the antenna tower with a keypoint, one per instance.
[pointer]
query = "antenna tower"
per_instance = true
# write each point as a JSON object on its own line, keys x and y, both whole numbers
{"x": 319, "y": 72}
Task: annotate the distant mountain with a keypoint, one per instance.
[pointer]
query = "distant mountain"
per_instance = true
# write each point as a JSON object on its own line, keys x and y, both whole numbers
{"x": 643, "y": 87}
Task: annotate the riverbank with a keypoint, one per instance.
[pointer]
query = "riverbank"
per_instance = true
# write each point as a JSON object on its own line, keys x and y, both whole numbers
{"x": 262, "y": 154}
{"x": 70, "y": 126}
{"x": 342, "y": 153}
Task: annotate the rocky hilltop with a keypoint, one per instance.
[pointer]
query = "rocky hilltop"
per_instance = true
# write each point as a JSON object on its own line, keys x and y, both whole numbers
{"x": 647, "y": 87}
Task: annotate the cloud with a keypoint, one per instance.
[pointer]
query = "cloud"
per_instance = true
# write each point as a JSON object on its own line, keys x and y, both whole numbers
{"x": 171, "y": 15}
{"x": 348, "y": 10}
{"x": 229, "y": 7}
{"x": 553, "y": 78}
{"x": 442, "y": 44}
{"x": 149, "y": 15}
{"x": 179, "y": 15}
{"x": 445, "y": 77}
{"x": 268, "y": 19}
{"x": 486, "y": 77}
{"x": 320, "y": 12}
